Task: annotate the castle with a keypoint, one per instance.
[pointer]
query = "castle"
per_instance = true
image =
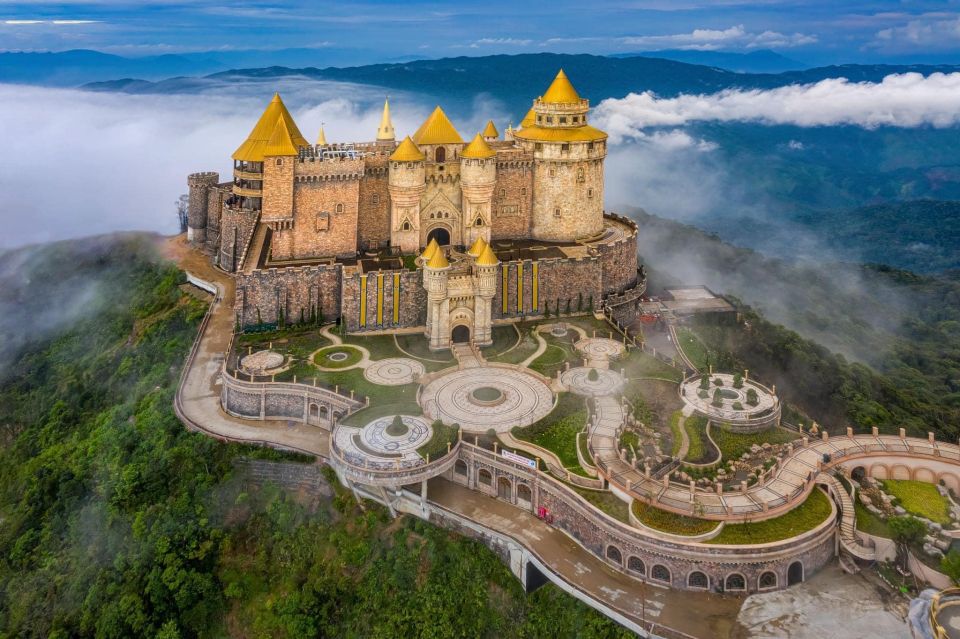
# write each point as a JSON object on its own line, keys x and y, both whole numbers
{"x": 434, "y": 231}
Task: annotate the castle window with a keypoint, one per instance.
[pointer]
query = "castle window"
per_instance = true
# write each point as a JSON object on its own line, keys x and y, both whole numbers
{"x": 538, "y": 146}
{"x": 553, "y": 172}
{"x": 580, "y": 177}
{"x": 376, "y": 198}
{"x": 479, "y": 222}
{"x": 590, "y": 193}
{"x": 539, "y": 119}
{"x": 556, "y": 212}
{"x": 279, "y": 161}
{"x": 523, "y": 191}
{"x": 565, "y": 147}
{"x": 563, "y": 119}
{"x": 339, "y": 208}
{"x": 549, "y": 119}
{"x": 405, "y": 226}
{"x": 503, "y": 192}
{"x": 589, "y": 146}
{"x": 441, "y": 155}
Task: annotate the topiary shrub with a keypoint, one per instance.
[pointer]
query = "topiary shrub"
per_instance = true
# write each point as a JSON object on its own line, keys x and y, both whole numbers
{"x": 593, "y": 375}
{"x": 717, "y": 398}
{"x": 705, "y": 382}
{"x": 752, "y": 398}
{"x": 717, "y": 381}
{"x": 397, "y": 428}
{"x": 737, "y": 380}
{"x": 737, "y": 406}
{"x": 702, "y": 394}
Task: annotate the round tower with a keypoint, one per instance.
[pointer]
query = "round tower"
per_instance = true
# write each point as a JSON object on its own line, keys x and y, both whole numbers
{"x": 435, "y": 270}
{"x": 568, "y": 165}
{"x": 199, "y": 185}
{"x": 478, "y": 177}
{"x": 406, "y": 183}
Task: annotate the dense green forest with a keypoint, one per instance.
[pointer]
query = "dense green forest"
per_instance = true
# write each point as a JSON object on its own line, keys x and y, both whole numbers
{"x": 117, "y": 522}
{"x": 897, "y": 332}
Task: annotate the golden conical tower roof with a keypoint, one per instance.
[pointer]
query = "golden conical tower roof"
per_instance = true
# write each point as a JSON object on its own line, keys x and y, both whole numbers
{"x": 478, "y": 149}
{"x": 432, "y": 247}
{"x": 407, "y": 151}
{"x": 488, "y": 257}
{"x": 477, "y": 248}
{"x": 322, "y": 137}
{"x": 437, "y": 129}
{"x": 490, "y": 131}
{"x": 438, "y": 260}
{"x": 280, "y": 142}
{"x": 560, "y": 91}
{"x": 529, "y": 119}
{"x": 385, "y": 131}
{"x": 252, "y": 149}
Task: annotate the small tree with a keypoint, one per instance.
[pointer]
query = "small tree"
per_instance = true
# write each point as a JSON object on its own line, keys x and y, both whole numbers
{"x": 590, "y": 304}
{"x": 950, "y": 565}
{"x": 906, "y": 531}
{"x": 579, "y": 301}
{"x": 593, "y": 375}
{"x": 546, "y": 309}
{"x": 737, "y": 380}
{"x": 568, "y": 306}
{"x": 280, "y": 320}
{"x": 752, "y": 398}
{"x": 183, "y": 211}
{"x": 717, "y": 398}
{"x": 717, "y": 381}
{"x": 558, "y": 307}
{"x": 397, "y": 428}
{"x": 302, "y": 321}
{"x": 705, "y": 382}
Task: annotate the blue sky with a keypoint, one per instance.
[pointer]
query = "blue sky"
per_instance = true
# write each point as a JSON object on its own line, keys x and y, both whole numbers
{"x": 815, "y": 31}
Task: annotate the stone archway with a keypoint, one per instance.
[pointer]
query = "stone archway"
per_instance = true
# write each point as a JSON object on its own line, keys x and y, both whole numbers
{"x": 460, "y": 334}
{"x": 795, "y": 573}
{"x": 440, "y": 234}
{"x": 504, "y": 489}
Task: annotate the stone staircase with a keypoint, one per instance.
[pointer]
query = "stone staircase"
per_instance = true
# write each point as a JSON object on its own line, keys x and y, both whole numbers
{"x": 468, "y": 356}
{"x": 848, "y": 520}
{"x": 288, "y": 475}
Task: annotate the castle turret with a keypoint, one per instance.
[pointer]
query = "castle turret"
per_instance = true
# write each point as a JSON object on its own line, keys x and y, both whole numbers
{"x": 485, "y": 287}
{"x": 385, "y": 132}
{"x": 478, "y": 177}
{"x": 199, "y": 185}
{"x": 490, "y": 133}
{"x": 438, "y": 304}
{"x": 568, "y": 165}
{"x": 406, "y": 185}
{"x": 321, "y": 137}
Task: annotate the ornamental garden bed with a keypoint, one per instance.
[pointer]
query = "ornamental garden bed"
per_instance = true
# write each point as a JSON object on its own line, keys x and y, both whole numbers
{"x": 919, "y": 498}
{"x": 671, "y": 522}
{"x": 337, "y": 357}
{"x": 437, "y": 445}
{"x": 807, "y": 516}
{"x": 557, "y": 432}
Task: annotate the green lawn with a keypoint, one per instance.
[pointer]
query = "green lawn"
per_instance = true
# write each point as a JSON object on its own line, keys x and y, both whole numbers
{"x": 296, "y": 342}
{"x": 733, "y": 445}
{"x": 920, "y": 499}
{"x": 695, "y": 350}
{"x": 527, "y": 345}
{"x": 552, "y": 359}
{"x": 670, "y": 522}
{"x": 606, "y": 501}
{"x": 504, "y": 338}
{"x": 640, "y": 364}
{"x": 437, "y": 446}
{"x": 354, "y": 379}
{"x": 557, "y": 432}
{"x": 700, "y": 451}
{"x": 416, "y": 345}
{"x": 804, "y": 517}
{"x": 869, "y": 523}
{"x": 675, "y": 429}
{"x": 322, "y": 358}
{"x": 364, "y": 416}
{"x": 380, "y": 346}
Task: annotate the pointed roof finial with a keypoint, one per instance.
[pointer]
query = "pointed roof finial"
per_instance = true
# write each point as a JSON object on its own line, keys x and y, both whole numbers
{"x": 385, "y": 132}
{"x": 488, "y": 257}
{"x": 477, "y": 247}
{"x": 478, "y": 149}
{"x": 561, "y": 91}
{"x": 437, "y": 129}
{"x": 252, "y": 149}
{"x": 407, "y": 151}
{"x": 490, "y": 133}
{"x": 438, "y": 260}
{"x": 322, "y": 138}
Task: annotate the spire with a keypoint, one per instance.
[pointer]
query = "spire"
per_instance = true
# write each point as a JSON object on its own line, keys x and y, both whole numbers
{"x": 385, "y": 132}
{"x": 488, "y": 257}
{"x": 252, "y": 149}
{"x": 438, "y": 260}
{"x": 430, "y": 250}
{"x": 477, "y": 248}
{"x": 437, "y": 129}
{"x": 561, "y": 91}
{"x": 528, "y": 120}
{"x": 322, "y": 138}
{"x": 478, "y": 149}
{"x": 407, "y": 151}
{"x": 280, "y": 142}
{"x": 490, "y": 133}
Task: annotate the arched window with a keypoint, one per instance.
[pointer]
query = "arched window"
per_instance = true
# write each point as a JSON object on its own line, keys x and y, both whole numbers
{"x": 735, "y": 582}
{"x": 484, "y": 477}
{"x": 460, "y": 467}
{"x": 279, "y": 161}
{"x": 697, "y": 579}
{"x": 660, "y": 573}
{"x": 556, "y": 212}
{"x": 614, "y": 555}
{"x": 523, "y": 191}
{"x": 503, "y": 192}
{"x": 406, "y": 226}
{"x": 636, "y": 565}
{"x": 767, "y": 580}
{"x": 339, "y": 208}
{"x": 589, "y": 193}
{"x": 524, "y": 493}
{"x": 441, "y": 155}
{"x": 479, "y": 222}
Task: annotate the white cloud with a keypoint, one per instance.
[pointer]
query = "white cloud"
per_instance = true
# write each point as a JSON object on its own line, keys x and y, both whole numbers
{"x": 57, "y": 22}
{"x": 900, "y": 100}
{"x": 928, "y": 31}
{"x": 735, "y": 37}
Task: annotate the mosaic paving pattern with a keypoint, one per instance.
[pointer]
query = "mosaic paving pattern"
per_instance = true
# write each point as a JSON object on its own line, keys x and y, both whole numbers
{"x": 394, "y": 371}
{"x": 578, "y": 381}
{"x": 450, "y": 398}
{"x": 600, "y": 348}
{"x": 261, "y": 361}
{"x": 704, "y": 405}
{"x": 373, "y": 447}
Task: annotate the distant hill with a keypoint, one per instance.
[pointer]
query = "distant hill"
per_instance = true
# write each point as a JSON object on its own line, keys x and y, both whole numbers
{"x": 762, "y": 61}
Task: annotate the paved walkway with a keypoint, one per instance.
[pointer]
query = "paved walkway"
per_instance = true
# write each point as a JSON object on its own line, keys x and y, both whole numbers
{"x": 701, "y": 615}
{"x": 393, "y": 371}
{"x": 198, "y": 398}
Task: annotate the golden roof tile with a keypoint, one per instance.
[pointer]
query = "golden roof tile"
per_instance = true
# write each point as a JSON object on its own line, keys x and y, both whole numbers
{"x": 385, "y": 131}
{"x": 407, "y": 151}
{"x": 488, "y": 257}
{"x": 529, "y": 119}
{"x": 585, "y": 133}
{"x": 438, "y": 260}
{"x": 280, "y": 142}
{"x": 560, "y": 91}
{"x": 477, "y": 247}
{"x": 478, "y": 149}
{"x": 252, "y": 149}
{"x": 437, "y": 129}
{"x": 490, "y": 131}
{"x": 432, "y": 247}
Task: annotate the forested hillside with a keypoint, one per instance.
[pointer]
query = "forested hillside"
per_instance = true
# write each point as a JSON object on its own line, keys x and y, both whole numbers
{"x": 117, "y": 522}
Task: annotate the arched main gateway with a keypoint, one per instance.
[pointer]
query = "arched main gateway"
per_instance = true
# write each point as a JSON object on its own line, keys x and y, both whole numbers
{"x": 440, "y": 234}
{"x": 460, "y": 335}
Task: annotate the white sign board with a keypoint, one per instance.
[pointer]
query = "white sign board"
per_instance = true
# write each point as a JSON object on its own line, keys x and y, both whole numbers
{"x": 532, "y": 463}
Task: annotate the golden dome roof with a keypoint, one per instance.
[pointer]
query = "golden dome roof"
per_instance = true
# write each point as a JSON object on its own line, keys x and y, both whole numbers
{"x": 529, "y": 119}
{"x": 490, "y": 131}
{"x": 252, "y": 150}
{"x": 407, "y": 151}
{"x": 432, "y": 247}
{"x": 585, "y": 133}
{"x": 477, "y": 248}
{"x": 560, "y": 91}
{"x": 437, "y": 129}
{"x": 478, "y": 149}
{"x": 488, "y": 257}
{"x": 438, "y": 260}
{"x": 280, "y": 142}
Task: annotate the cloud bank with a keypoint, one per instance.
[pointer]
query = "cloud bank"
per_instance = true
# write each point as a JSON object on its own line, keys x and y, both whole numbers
{"x": 900, "y": 100}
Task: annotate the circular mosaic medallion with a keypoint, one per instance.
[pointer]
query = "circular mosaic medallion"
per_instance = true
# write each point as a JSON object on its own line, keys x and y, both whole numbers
{"x": 394, "y": 371}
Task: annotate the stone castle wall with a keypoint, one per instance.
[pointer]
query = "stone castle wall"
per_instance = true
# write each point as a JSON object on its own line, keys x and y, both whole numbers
{"x": 410, "y": 297}
{"x": 619, "y": 259}
{"x": 512, "y": 198}
{"x": 236, "y": 229}
{"x": 291, "y": 289}
{"x": 373, "y": 216}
